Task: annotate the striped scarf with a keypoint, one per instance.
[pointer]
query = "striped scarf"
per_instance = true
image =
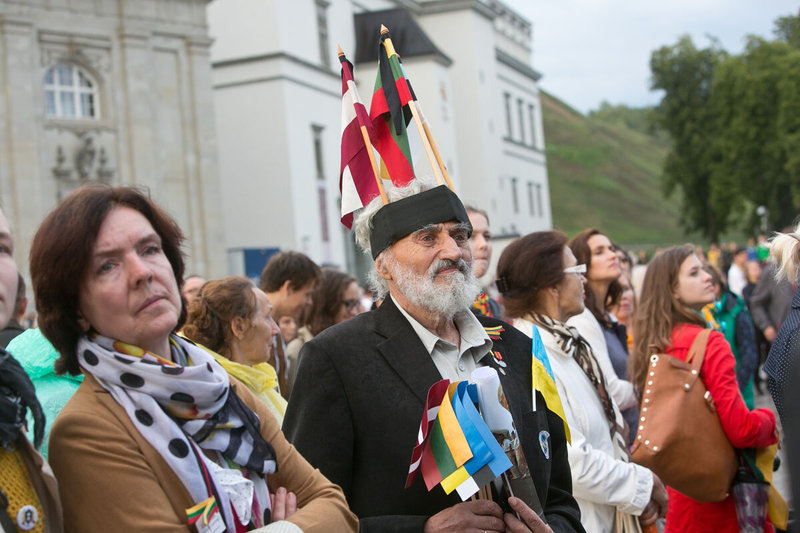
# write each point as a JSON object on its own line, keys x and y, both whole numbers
{"x": 180, "y": 407}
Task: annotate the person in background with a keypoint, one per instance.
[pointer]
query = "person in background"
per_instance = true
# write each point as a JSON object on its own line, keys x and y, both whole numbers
{"x": 625, "y": 261}
{"x": 543, "y": 285}
{"x": 607, "y": 338}
{"x": 481, "y": 244}
{"x": 785, "y": 350}
{"x": 730, "y": 313}
{"x": 157, "y": 429}
{"x": 28, "y": 491}
{"x": 288, "y": 327}
{"x": 624, "y": 312}
{"x": 336, "y": 299}
{"x": 14, "y": 326}
{"x": 191, "y": 287}
{"x": 288, "y": 279}
{"x": 752, "y": 271}
{"x": 667, "y": 321}
{"x": 737, "y": 280}
{"x": 233, "y": 319}
{"x": 714, "y": 255}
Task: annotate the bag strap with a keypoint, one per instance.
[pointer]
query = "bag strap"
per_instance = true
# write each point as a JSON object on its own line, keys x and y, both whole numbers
{"x": 698, "y": 350}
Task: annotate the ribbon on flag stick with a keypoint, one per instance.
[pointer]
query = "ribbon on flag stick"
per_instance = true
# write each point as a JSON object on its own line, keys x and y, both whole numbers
{"x": 359, "y": 181}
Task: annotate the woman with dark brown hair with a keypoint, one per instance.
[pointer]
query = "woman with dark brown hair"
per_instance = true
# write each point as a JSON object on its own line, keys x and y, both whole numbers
{"x": 336, "y": 299}
{"x": 543, "y": 286}
{"x": 233, "y": 318}
{"x": 157, "y": 430}
{"x": 597, "y": 325}
{"x": 675, "y": 289}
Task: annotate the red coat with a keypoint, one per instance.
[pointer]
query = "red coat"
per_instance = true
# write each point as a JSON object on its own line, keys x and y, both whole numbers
{"x": 744, "y": 428}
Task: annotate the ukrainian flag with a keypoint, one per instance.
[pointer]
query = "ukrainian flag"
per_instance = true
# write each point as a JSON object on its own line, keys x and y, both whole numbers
{"x": 543, "y": 379}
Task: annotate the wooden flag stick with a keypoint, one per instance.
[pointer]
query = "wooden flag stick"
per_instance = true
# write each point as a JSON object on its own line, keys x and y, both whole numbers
{"x": 435, "y": 149}
{"x": 390, "y": 51}
{"x": 367, "y": 143}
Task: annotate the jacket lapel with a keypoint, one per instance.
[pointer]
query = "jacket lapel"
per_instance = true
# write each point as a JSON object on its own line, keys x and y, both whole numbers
{"x": 404, "y": 351}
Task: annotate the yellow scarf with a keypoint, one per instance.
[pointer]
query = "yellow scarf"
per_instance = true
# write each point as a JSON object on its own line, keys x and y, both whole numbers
{"x": 261, "y": 379}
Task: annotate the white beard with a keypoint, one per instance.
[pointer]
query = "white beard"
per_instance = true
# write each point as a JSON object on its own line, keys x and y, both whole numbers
{"x": 443, "y": 299}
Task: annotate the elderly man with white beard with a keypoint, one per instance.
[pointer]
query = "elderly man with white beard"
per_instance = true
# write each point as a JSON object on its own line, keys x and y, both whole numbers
{"x": 361, "y": 385}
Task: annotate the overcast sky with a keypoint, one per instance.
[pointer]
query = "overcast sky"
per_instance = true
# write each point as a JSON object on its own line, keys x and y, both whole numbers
{"x": 594, "y": 50}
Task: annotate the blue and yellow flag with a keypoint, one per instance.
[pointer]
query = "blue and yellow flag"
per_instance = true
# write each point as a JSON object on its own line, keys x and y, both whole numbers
{"x": 543, "y": 379}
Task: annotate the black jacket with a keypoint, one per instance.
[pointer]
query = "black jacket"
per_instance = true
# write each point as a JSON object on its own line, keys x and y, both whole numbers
{"x": 356, "y": 406}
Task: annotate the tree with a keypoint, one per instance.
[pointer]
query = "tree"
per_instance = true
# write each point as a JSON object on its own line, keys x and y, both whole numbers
{"x": 734, "y": 122}
{"x": 757, "y": 106}
{"x": 686, "y": 75}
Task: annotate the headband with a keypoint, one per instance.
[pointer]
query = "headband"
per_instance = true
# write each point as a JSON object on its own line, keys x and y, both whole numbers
{"x": 398, "y": 219}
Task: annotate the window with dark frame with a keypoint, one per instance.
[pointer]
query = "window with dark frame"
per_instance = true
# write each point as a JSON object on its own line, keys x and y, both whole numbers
{"x": 532, "y": 118}
{"x": 509, "y": 132}
{"x": 514, "y": 199}
{"x": 322, "y": 30}
{"x": 520, "y": 105}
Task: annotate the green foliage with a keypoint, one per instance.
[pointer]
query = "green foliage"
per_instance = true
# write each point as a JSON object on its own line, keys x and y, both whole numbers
{"x": 606, "y": 175}
{"x": 641, "y": 119}
{"x": 734, "y": 122}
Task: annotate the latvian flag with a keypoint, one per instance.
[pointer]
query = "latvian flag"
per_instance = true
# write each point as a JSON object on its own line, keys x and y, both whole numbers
{"x": 356, "y": 177}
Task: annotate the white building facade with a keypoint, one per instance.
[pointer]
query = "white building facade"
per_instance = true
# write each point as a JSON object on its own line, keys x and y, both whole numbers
{"x": 113, "y": 91}
{"x": 277, "y": 97}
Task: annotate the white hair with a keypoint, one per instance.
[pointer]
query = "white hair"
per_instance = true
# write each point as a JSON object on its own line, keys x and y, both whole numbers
{"x": 362, "y": 227}
{"x": 784, "y": 249}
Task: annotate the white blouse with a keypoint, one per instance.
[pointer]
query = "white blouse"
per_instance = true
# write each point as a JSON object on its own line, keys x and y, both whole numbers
{"x": 602, "y": 481}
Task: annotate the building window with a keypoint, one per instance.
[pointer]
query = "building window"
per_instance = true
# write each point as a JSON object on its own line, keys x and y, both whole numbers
{"x": 520, "y": 107}
{"x": 70, "y": 92}
{"x": 531, "y": 210}
{"x": 532, "y": 118}
{"x": 509, "y": 133}
{"x": 539, "y": 199}
{"x": 322, "y": 193}
{"x": 317, "y": 133}
{"x": 514, "y": 199}
{"x": 322, "y": 31}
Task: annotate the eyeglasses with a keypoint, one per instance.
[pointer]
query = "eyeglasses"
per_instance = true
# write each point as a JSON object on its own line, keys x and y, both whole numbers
{"x": 351, "y": 304}
{"x": 577, "y": 269}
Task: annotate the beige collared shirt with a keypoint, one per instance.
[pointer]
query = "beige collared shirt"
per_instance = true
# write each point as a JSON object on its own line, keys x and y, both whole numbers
{"x": 455, "y": 363}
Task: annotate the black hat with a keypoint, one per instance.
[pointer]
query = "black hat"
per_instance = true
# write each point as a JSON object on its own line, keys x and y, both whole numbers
{"x": 398, "y": 219}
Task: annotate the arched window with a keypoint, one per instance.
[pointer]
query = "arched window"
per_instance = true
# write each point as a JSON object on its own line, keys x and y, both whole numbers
{"x": 70, "y": 93}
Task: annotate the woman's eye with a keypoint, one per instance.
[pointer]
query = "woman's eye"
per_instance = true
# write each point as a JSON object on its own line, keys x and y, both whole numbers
{"x": 151, "y": 250}
{"x": 105, "y": 267}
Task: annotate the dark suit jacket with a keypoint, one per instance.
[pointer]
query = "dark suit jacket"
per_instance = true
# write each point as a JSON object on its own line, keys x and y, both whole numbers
{"x": 771, "y": 299}
{"x": 783, "y": 355}
{"x": 356, "y": 407}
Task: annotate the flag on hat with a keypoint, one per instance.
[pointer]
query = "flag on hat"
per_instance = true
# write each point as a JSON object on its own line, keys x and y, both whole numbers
{"x": 390, "y": 114}
{"x": 356, "y": 182}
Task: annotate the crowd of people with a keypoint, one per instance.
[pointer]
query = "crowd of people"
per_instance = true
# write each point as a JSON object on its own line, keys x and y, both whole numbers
{"x": 162, "y": 401}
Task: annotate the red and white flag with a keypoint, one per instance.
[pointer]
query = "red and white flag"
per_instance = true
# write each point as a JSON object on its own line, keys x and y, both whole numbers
{"x": 356, "y": 176}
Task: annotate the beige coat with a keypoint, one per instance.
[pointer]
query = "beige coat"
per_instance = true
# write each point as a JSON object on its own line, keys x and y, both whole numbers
{"x": 112, "y": 479}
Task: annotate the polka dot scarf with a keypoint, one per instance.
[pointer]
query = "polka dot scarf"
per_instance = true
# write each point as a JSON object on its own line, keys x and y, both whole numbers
{"x": 178, "y": 407}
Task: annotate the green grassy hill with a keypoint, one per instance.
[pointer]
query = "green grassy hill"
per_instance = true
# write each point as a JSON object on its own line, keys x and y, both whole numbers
{"x": 607, "y": 176}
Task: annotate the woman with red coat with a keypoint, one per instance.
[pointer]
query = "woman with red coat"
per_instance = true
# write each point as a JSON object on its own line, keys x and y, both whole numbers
{"x": 668, "y": 319}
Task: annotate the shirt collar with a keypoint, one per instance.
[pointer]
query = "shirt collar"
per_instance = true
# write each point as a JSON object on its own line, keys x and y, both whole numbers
{"x": 472, "y": 333}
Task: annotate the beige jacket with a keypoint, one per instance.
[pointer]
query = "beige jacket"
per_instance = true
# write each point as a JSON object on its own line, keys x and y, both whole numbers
{"x": 112, "y": 479}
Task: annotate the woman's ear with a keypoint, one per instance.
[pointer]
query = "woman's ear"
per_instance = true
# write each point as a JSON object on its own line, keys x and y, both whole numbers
{"x": 239, "y": 326}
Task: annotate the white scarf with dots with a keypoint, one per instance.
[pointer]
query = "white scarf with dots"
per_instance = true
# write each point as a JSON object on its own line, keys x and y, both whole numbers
{"x": 178, "y": 408}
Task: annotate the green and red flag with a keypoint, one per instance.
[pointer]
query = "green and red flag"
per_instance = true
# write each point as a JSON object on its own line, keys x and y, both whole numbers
{"x": 455, "y": 447}
{"x": 390, "y": 114}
